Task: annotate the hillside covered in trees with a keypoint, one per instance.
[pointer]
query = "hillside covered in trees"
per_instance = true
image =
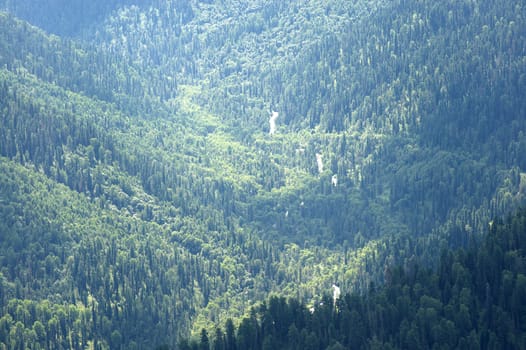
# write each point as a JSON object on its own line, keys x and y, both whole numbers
{"x": 474, "y": 300}
{"x": 166, "y": 165}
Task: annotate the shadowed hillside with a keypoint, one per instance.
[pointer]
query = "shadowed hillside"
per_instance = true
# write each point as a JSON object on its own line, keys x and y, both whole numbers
{"x": 167, "y": 165}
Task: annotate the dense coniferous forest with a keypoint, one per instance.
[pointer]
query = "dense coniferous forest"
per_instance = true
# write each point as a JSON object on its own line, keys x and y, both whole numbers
{"x": 475, "y": 299}
{"x": 169, "y": 165}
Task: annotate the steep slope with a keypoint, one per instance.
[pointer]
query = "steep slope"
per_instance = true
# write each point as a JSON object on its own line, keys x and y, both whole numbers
{"x": 400, "y": 128}
{"x": 82, "y": 275}
{"x": 426, "y": 89}
{"x": 187, "y": 242}
{"x": 379, "y": 90}
{"x": 475, "y": 300}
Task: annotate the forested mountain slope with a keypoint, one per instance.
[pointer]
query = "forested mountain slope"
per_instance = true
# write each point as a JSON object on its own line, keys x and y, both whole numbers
{"x": 173, "y": 201}
{"x": 475, "y": 300}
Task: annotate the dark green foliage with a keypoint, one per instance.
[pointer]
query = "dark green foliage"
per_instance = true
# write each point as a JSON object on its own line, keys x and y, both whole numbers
{"x": 142, "y": 197}
{"x": 85, "y": 268}
{"x": 451, "y": 308}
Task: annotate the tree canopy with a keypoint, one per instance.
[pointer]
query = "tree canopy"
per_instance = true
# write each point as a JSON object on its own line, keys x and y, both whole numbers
{"x": 144, "y": 198}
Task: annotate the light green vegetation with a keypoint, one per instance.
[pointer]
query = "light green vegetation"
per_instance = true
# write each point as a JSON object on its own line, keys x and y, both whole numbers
{"x": 139, "y": 180}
